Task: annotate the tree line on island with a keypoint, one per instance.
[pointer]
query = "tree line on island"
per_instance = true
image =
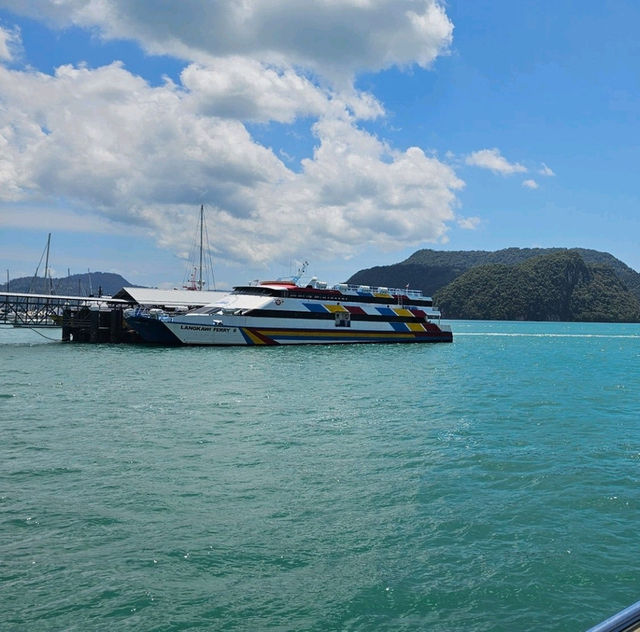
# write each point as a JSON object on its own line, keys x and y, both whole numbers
{"x": 553, "y": 284}
{"x": 86, "y": 284}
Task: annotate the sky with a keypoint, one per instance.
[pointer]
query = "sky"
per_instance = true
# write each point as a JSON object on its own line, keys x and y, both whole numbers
{"x": 345, "y": 133}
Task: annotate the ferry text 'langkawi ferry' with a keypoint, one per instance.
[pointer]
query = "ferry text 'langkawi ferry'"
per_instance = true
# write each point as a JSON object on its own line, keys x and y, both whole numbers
{"x": 284, "y": 312}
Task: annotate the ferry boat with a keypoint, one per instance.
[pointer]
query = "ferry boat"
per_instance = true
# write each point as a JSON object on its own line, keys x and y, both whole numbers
{"x": 284, "y": 312}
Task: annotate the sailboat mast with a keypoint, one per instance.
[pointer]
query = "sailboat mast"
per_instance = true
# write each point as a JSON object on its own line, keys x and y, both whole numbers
{"x": 201, "y": 230}
{"x": 47, "y": 275}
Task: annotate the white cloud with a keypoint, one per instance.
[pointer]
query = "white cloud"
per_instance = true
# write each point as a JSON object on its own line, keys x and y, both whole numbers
{"x": 334, "y": 38}
{"x": 492, "y": 159}
{"x": 10, "y": 44}
{"x": 546, "y": 171}
{"x": 114, "y": 148}
{"x": 530, "y": 184}
{"x": 109, "y": 143}
{"x": 353, "y": 192}
{"x": 468, "y": 223}
{"x": 104, "y": 137}
{"x": 248, "y": 90}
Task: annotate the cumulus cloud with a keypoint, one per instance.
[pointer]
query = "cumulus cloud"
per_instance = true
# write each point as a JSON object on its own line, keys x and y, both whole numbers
{"x": 249, "y": 90}
{"x": 334, "y": 39}
{"x": 530, "y": 184}
{"x": 354, "y": 191}
{"x": 108, "y": 142}
{"x": 492, "y": 159}
{"x": 546, "y": 171}
{"x": 107, "y": 138}
{"x": 10, "y": 43}
{"x": 147, "y": 155}
{"x": 469, "y": 223}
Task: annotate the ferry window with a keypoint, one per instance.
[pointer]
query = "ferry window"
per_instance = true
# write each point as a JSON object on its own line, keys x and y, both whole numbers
{"x": 343, "y": 319}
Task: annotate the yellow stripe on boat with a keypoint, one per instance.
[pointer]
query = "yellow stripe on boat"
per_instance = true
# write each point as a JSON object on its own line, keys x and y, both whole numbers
{"x": 336, "y": 308}
{"x": 401, "y": 311}
{"x": 249, "y": 334}
{"x": 416, "y": 327}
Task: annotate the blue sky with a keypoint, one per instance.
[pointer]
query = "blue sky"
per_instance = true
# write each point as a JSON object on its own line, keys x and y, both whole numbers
{"x": 349, "y": 134}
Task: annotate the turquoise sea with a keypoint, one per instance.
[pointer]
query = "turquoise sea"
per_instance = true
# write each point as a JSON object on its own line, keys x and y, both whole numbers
{"x": 489, "y": 484}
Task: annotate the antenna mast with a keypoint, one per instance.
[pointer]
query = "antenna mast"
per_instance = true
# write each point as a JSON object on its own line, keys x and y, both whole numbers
{"x": 301, "y": 270}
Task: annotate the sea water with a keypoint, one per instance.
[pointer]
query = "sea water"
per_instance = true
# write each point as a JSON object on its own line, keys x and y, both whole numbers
{"x": 489, "y": 484}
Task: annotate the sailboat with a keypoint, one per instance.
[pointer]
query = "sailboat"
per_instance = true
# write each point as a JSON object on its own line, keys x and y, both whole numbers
{"x": 47, "y": 287}
{"x": 197, "y": 279}
{"x": 144, "y": 319}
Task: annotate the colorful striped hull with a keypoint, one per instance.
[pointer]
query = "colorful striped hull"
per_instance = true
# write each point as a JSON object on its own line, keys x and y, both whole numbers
{"x": 257, "y": 336}
{"x": 246, "y": 335}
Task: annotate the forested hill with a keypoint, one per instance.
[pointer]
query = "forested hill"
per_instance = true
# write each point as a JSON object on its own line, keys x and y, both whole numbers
{"x": 556, "y": 286}
{"x": 89, "y": 283}
{"x": 431, "y": 270}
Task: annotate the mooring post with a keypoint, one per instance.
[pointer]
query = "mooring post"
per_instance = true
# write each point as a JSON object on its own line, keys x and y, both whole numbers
{"x": 115, "y": 325}
{"x": 66, "y": 320}
{"x": 94, "y": 325}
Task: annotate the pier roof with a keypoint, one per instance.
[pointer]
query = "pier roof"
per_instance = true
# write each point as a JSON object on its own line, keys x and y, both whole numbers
{"x": 60, "y": 298}
{"x": 168, "y": 298}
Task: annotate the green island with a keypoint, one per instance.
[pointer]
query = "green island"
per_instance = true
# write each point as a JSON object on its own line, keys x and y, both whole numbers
{"x": 540, "y": 284}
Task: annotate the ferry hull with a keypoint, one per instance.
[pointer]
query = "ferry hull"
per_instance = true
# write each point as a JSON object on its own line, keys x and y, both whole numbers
{"x": 275, "y": 313}
{"x": 246, "y": 335}
{"x": 152, "y": 330}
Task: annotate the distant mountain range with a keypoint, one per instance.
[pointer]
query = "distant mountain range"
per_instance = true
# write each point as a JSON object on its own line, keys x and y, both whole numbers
{"x": 518, "y": 283}
{"x": 87, "y": 284}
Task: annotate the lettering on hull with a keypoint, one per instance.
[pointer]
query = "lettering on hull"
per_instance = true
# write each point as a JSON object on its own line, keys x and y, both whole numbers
{"x": 220, "y": 330}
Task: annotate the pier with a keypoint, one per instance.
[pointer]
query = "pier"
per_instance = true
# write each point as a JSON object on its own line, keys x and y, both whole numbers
{"x": 95, "y": 319}
{"x": 81, "y": 318}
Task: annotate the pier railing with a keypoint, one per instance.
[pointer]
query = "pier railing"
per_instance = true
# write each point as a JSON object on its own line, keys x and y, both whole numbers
{"x": 46, "y": 310}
